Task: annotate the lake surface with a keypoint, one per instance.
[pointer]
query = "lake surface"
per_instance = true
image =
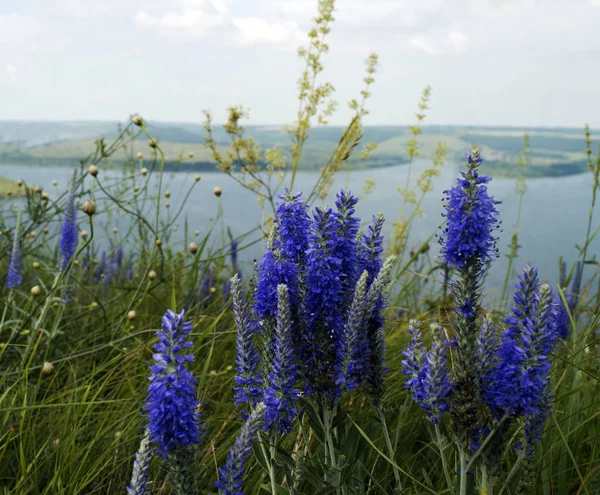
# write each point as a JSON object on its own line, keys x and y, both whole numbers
{"x": 554, "y": 217}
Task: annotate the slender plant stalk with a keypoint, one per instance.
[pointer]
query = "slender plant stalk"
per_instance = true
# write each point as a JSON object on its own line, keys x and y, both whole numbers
{"x": 390, "y": 447}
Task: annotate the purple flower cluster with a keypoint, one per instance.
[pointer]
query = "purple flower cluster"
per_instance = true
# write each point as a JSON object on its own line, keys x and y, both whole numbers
{"x": 520, "y": 379}
{"x": 141, "y": 466}
{"x": 231, "y": 477}
{"x": 171, "y": 404}
{"x": 318, "y": 330}
{"x": 429, "y": 375}
{"x": 471, "y": 217}
{"x": 294, "y": 223}
{"x": 14, "y": 277}
{"x": 248, "y": 388}
{"x": 68, "y": 238}
{"x": 280, "y": 396}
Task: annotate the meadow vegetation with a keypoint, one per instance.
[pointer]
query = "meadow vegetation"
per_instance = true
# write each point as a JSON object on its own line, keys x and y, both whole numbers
{"x": 345, "y": 363}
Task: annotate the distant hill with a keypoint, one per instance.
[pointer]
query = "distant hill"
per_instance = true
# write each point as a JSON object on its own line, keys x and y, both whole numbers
{"x": 554, "y": 151}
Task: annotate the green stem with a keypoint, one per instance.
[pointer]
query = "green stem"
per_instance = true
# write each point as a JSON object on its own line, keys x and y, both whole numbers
{"x": 391, "y": 453}
{"x": 442, "y": 447}
{"x": 512, "y": 472}
{"x": 463, "y": 471}
{"x": 273, "y": 451}
{"x": 267, "y": 458}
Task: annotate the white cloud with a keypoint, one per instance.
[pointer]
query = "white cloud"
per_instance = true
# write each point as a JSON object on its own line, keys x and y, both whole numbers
{"x": 256, "y": 30}
{"x": 11, "y": 70}
{"x": 419, "y": 42}
{"x": 457, "y": 39}
{"x": 189, "y": 20}
{"x": 220, "y": 6}
{"x": 144, "y": 19}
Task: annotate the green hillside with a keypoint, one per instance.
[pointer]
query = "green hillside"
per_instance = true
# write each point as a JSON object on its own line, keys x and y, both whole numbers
{"x": 553, "y": 151}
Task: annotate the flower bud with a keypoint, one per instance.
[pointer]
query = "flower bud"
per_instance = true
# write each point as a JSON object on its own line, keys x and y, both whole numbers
{"x": 89, "y": 207}
{"x": 217, "y": 191}
{"x": 45, "y": 196}
{"x": 93, "y": 170}
{"x": 84, "y": 234}
{"x": 131, "y": 314}
{"x": 167, "y": 194}
{"x": 36, "y": 264}
{"x": 54, "y": 182}
{"x": 158, "y": 242}
{"x": 137, "y": 120}
{"x": 139, "y": 155}
{"x": 35, "y": 290}
{"x": 197, "y": 177}
{"x": 144, "y": 171}
{"x": 152, "y": 143}
{"x": 151, "y": 274}
{"x": 47, "y": 368}
{"x": 193, "y": 247}
{"x": 20, "y": 183}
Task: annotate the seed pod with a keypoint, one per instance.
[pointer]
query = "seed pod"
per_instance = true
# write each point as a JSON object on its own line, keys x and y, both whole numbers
{"x": 217, "y": 191}
{"x": 193, "y": 247}
{"x": 137, "y": 120}
{"x": 35, "y": 290}
{"x": 47, "y": 368}
{"x": 131, "y": 314}
{"x": 93, "y": 170}
{"x": 89, "y": 207}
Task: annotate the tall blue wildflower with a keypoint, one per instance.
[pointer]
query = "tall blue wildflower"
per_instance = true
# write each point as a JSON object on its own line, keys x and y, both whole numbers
{"x": 347, "y": 227}
{"x": 294, "y": 224}
{"x": 324, "y": 303}
{"x": 68, "y": 238}
{"x": 274, "y": 268}
{"x": 471, "y": 217}
{"x": 468, "y": 244}
{"x": 234, "y": 254}
{"x": 365, "y": 365}
{"x": 280, "y": 394}
{"x": 429, "y": 376}
{"x": 171, "y": 403}
{"x": 231, "y": 475}
{"x": 248, "y": 380}
{"x": 141, "y": 466}
{"x": 350, "y": 361}
{"x": 413, "y": 365}
{"x": 373, "y": 345}
{"x": 14, "y": 277}
{"x": 436, "y": 377}
{"x": 522, "y": 374}
{"x": 371, "y": 247}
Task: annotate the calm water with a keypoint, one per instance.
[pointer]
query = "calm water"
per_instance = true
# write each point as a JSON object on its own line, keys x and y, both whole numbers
{"x": 554, "y": 218}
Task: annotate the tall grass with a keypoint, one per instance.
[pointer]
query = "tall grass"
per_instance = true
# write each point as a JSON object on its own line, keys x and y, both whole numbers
{"x": 75, "y": 344}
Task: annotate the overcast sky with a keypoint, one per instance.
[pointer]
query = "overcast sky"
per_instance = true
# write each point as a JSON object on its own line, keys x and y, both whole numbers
{"x": 490, "y": 62}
